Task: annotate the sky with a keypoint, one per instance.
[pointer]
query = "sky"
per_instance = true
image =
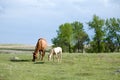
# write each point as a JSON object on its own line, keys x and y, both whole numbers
{"x": 25, "y": 21}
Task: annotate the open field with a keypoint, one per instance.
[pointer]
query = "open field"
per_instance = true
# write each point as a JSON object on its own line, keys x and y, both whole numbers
{"x": 73, "y": 67}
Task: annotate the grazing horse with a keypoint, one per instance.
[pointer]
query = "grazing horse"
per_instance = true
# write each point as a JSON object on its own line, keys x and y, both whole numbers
{"x": 40, "y": 48}
{"x": 57, "y": 51}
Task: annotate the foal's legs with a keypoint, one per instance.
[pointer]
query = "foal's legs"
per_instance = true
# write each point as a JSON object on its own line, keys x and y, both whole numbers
{"x": 55, "y": 56}
{"x": 60, "y": 57}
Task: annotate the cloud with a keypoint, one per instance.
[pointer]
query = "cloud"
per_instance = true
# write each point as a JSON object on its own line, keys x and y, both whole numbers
{"x": 53, "y": 5}
{"x": 47, "y": 9}
{"x": 37, "y": 14}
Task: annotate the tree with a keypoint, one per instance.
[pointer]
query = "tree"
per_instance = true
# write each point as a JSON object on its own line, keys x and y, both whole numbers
{"x": 71, "y": 36}
{"x": 79, "y": 35}
{"x": 97, "y": 24}
{"x": 112, "y": 34}
{"x": 64, "y": 37}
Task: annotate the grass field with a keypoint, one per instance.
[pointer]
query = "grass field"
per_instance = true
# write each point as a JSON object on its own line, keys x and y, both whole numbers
{"x": 73, "y": 67}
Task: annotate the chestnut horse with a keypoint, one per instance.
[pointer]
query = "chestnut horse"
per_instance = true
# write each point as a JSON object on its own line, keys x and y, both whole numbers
{"x": 40, "y": 48}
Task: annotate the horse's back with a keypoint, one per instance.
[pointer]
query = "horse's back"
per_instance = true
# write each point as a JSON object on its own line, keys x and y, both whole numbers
{"x": 42, "y": 44}
{"x": 58, "y": 50}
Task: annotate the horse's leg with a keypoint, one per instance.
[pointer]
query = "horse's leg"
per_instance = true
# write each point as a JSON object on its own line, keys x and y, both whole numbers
{"x": 39, "y": 55}
{"x": 60, "y": 56}
{"x": 53, "y": 58}
{"x": 57, "y": 57}
{"x": 43, "y": 54}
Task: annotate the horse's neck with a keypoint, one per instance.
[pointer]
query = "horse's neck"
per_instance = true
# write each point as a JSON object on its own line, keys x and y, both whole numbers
{"x": 36, "y": 47}
{"x": 36, "y": 50}
{"x": 51, "y": 53}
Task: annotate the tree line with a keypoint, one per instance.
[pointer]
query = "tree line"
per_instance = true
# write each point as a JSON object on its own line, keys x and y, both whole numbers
{"x": 73, "y": 38}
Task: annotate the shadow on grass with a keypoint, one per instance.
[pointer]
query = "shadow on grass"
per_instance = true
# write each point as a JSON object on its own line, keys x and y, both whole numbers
{"x": 23, "y": 60}
{"x": 84, "y": 74}
{"x": 39, "y": 62}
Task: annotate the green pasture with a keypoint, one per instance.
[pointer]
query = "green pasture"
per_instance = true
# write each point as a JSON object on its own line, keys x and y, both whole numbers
{"x": 74, "y": 66}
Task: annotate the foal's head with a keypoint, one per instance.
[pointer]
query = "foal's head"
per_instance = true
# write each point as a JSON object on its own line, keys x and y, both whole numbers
{"x": 50, "y": 55}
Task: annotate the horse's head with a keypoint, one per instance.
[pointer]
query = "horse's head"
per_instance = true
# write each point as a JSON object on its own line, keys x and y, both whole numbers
{"x": 50, "y": 55}
{"x": 34, "y": 56}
